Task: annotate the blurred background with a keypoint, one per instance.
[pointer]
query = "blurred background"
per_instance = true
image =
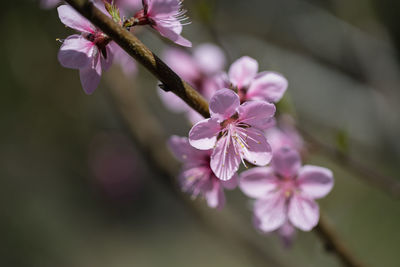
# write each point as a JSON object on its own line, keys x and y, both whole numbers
{"x": 76, "y": 191}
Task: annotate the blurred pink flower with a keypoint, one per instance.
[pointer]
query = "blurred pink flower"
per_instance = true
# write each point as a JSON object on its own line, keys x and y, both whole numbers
{"x": 47, "y": 4}
{"x": 114, "y": 165}
{"x": 234, "y": 132}
{"x": 285, "y": 192}
{"x": 196, "y": 177}
{"x": 165, "y": 16}
{"x": 126, "y": 62}
{"x": 243, "y": 76}
{"x": 89, "y": 52}
{"x": 285, "y": 134}
{"x": 196, "y": 69}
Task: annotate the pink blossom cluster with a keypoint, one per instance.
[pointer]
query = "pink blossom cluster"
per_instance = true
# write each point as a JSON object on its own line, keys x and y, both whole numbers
{"x": 242, "y": 129}
{"x": 92, "y": 52}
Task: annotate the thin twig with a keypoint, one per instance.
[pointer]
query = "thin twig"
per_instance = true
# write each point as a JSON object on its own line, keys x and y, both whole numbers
{"x": 143, "y": 55}
{"x": 334, "y": 244}
{"x": 172, "y": 81}
{"x": 373, "y": 177}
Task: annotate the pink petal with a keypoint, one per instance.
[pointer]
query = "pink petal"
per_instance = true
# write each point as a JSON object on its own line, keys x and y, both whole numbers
{"x": 184, "y": 152}
{"x": 287, "y": 233}
{"x": 162, "y": 8}
{"x": 231, "y": 183}
{"x": 270, "y": 212}
{"x": 223, "y": 104}
{"x": 258, "y": 182}
{"x": 75, "y": 52}
{"x": 172, "y": 31}
{"x": 225, "y": 160}
{"x": 90, "y": 79}
{"x": 315, "y": 182}
{"x": 126, "y": 62}
{"x": 203, "y": 134}
{"x": 303, "y": 213}
{"x": 74, "y": 20}
{"x": 193, "y": 116}
{"x": 257, "y": 114}
{"x": 182, "y": 63}
{"x": 254, "y": 147}
{"x": 268, "y": 86}
{"x": 172, "y": 101}
{"x": 210, "y": 58}
{"x": 215, "y": 197}
{"x": 47, "y": 4}
{"x": 243, "y": 71}
{"x": 107, "y": 62}
{"x": 286, "y": 162}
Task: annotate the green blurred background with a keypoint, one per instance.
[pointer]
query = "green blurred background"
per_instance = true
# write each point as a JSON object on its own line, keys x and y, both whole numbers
{"x": 60, "y": 149}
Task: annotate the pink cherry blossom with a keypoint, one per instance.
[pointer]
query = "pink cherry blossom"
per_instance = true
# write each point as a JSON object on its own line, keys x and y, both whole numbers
{"x": 197, "y": 69}
{"x": 196, "y": 177}
{"x": 165, "y": 16}
{"x": 243, "y": 77}
{"x": 234, "y": 132}
{"x": 285, "y": 134}
{"x": 285, "y": 192}
{"x": 89, "y": 51}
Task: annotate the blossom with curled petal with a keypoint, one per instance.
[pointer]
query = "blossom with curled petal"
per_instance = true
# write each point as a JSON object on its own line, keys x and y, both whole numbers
{"x": 286, "y": 191}
{"x": 234, "y": 132}
{"x": 165, "y": 16}
{"x": 89, "y": 51}
{"x": 198, "y": 70}
{"x": 196, "y": 177}
{"x": 244, "y": 78}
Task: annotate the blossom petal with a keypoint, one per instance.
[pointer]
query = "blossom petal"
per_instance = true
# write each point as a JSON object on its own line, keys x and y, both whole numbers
{"x": 173, "y": 102}
{"x": 75, "y": 52}
{"x": 172, "y": 31}
{"x": 90, "y": 76}
{"x": 183, "y": 151}
{"x": 315, "y": 182}
{"x": 254, "y": 146}
{"x": 303, "y": 212}
{"x": 71, "y": 18}
{"x": 231, "y": 183}
{"x": 223, "y": 104}
{"x": 162, "y": 8}
{"x": 257, "y": 113}
{"x": 203, "y": 134}
{"x": 258, "y": 182}
{"x": 107, "y": 62}
{"x": 126, "y": 62}
{"x": 210, "y": 58}
{"x": 225, "y": 159}
{"x": 182, "y": 63}
{"x": 270, "y": 212}
{"x": 243, "y": 71}
{"x": 215, "y": 197}
{"x": 286, "y": 162}
{"x": 268, "y": 86}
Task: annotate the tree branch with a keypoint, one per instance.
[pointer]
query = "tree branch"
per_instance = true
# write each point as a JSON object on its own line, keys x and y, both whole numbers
{"x": 143, "y": 55}
{"x": 334, "y": 244}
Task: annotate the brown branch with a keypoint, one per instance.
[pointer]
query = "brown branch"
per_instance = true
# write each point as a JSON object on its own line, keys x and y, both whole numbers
{"x": 134, "y": 47}
{"x": 147, "y": 133}
{"x": 334, "y": 244}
